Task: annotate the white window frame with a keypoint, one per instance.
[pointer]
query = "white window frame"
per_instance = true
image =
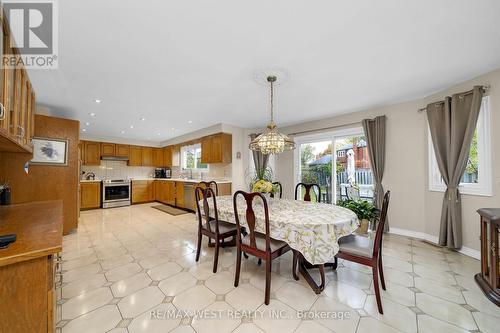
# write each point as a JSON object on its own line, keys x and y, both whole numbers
{"x": 191, "y": 147}
{"x": 484, "y": 187}
{"x": 323, "y": 136}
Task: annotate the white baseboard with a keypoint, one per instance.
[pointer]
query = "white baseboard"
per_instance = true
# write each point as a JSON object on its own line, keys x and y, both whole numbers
{"x": 433, "y": 239}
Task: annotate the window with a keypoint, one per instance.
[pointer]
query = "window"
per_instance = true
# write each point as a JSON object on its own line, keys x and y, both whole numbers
{"x": 191, "y": 158}
{"x": 336, "y": 161}
{"x": 476, "y": 179}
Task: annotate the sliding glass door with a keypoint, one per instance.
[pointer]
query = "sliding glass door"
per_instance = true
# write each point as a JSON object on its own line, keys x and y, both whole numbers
{"x": 338, "y": 162}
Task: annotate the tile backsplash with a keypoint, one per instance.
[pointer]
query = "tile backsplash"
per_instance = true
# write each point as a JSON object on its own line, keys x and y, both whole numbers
{"x": 118, "y": 170}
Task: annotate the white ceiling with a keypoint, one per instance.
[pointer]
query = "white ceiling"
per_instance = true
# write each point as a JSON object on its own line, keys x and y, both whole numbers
{"x": 177, "y": 61}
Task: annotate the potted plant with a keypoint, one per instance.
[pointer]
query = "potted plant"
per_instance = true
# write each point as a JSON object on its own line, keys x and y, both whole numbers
{"x": 364, "y": 210}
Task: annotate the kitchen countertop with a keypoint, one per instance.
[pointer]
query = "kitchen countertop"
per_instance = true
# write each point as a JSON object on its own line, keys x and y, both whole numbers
{"x": 90, "y": 180}
{"x": 38, "y": 226}
{"x": 219, "y": 181}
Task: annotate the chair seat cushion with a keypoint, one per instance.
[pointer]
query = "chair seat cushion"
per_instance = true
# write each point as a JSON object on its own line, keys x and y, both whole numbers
{"x": 260, "y": 242}
{"x": 223, "y": 227}
{"x": 357, "y": 245}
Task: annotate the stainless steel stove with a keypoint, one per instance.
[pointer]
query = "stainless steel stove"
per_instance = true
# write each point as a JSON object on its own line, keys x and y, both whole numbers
{"x": 115, "y": 193}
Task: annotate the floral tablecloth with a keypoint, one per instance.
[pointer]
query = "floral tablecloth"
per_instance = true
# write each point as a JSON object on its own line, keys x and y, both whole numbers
{"x": 311, "y": 228}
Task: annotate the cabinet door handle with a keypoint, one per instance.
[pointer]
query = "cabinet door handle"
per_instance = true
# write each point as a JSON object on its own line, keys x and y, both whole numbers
{"x": 2, "y": 112}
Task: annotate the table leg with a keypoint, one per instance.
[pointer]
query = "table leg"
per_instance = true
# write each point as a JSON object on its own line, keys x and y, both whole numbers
{"x": 303, "y": 266}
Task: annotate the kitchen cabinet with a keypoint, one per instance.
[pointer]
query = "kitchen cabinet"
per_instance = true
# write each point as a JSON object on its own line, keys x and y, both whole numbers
{"x": 165, "y": 192}
{"x": 179, "y": 194}
{"x": 143, "y": 191}
{"x": 90, "y": 195}
{"x": 17, "y": 99}
{"x": 147, "y": 156}
{"x": 176, "y": 155}
{"x": 158, "y": 157}
{"x": 135, "y": 156}
{"x": 122, "y": 150}
{"x": 108, "y": 149}
{"x": 92, "y": 153}
{"x": 216, "y": 148}
{"x": 167, "y": 156}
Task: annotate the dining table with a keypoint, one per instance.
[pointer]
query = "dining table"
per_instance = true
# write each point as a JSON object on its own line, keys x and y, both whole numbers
{"x": 311, "y": 229}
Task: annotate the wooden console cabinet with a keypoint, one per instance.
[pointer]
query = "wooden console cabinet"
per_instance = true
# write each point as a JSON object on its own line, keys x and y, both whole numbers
{"x": 489, "y": 278}
{"x": 28, "y": 274}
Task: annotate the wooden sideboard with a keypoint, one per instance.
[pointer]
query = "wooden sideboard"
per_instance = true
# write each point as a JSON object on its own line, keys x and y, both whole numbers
{"x": 489, "y": 278}
{"x": 28, "y": 267}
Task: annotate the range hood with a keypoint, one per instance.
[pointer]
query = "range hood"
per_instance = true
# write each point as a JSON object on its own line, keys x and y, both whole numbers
{"x": 114, "y": 158}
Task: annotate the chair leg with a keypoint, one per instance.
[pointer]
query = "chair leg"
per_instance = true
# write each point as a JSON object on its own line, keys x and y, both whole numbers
{"x": 335, "y": 263}
{"x": 216, "y": 254}
{"x": 268, "y": 281}
{"x": 259, "y": 262}
{"x": 198, "y": 246}
{"x": 245, "y": 255}
{"x": 377, "y": 288}
{"x": 381, "y": 271}
{"x": 295, "y": 262}
{"x": 238, "y": 267}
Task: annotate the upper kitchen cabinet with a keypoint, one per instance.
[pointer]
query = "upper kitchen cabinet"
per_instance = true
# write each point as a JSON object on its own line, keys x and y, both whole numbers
{"x": 122, "y": 150}
{"x": 158, "y": 159}
{"x": 135, "y": 156}
{"x": 147, "y": 156}
{"x": 92, "y": 153}
{"x": 17, "y": 100}
{"x": 108, "y": 149}
{"x": 216, "y": 148}
{"x": 167, "y": 156}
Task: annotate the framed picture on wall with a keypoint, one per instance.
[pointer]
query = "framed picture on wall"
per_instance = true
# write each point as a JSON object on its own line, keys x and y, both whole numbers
{"x": 50, "y": 151}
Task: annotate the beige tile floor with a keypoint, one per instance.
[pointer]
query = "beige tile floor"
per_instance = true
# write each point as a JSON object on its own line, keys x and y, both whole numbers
{"x": 124, "y": 263}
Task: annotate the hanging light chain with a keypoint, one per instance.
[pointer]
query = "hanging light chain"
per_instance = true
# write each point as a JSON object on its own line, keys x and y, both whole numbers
{"x": 272, "y": 101}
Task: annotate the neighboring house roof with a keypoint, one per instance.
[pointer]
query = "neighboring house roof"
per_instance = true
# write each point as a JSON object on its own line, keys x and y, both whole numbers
{"x": 360, "y": 143}
{"x": 322, "y": 160}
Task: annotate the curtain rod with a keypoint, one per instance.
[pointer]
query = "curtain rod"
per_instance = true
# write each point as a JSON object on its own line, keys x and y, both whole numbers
{"x": 485, "y": 89}
{"x": 325, "y": 128}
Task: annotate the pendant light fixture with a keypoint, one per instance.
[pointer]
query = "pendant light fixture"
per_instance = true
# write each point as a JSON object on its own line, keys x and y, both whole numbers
{"x": 272, "y": 141}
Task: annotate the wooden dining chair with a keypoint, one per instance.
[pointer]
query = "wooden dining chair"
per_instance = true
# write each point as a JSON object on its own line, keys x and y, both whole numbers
{"x": 212, "y": 184}
{"x": 211, "y": 226}
{"x": 367, "y": 251}
{"x": 307, "y": 195}
{"x": 278, "y": 184}
{"x": 260, "y": 245}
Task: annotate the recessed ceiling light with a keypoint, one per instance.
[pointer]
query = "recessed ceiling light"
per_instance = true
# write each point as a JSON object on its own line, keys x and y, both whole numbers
{"x": 190, "y": 121}
{"x": 131, "y": 126}
{"x": 97, "y": 100}
{"x": 84, "y": 130}
{"x": 143, "y": 119}
{"x": 92, "y": 114}
{"x": 87, "y": 124}
{"x": 122, "y": 132}
{"x": 158, "y": 134}
{"x": 173, "y": 129}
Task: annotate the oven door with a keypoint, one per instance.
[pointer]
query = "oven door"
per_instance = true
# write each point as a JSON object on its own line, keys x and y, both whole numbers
{"x": 116, "y": 192}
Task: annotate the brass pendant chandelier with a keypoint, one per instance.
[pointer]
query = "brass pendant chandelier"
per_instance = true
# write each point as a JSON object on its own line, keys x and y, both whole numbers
{"x": 272, "y": 142}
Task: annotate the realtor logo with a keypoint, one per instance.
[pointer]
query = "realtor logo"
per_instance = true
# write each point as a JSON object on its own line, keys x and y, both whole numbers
{"x": 33, "y": 28}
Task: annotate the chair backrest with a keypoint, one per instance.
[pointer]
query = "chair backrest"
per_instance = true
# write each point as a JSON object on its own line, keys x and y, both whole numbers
{"x": 250, "y": 218}
{"x": 204, "y": 194}
{"x": 278, "y": 184}
{"x": 307, "y": 195}
{"x": 353, "y": 193}
{"x": 212, "y": 184}
{"x": 377, "y": 245}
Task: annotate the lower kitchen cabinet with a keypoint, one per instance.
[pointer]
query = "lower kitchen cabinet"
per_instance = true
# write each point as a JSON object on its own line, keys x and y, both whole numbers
{"x": 90, "y": 195}
{"x": 165, "y": 192}
{"x": 143, "y": 191}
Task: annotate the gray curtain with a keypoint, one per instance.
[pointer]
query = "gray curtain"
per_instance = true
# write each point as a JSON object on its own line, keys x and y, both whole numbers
{"x": 375, "y": 139}
{"x": 452, "y": 124}
{"x": 260, "y": 160}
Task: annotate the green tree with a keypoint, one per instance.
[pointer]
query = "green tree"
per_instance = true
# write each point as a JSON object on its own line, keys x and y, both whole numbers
{"x": 472, "y": 162}
{"x": 306, "y": 155}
